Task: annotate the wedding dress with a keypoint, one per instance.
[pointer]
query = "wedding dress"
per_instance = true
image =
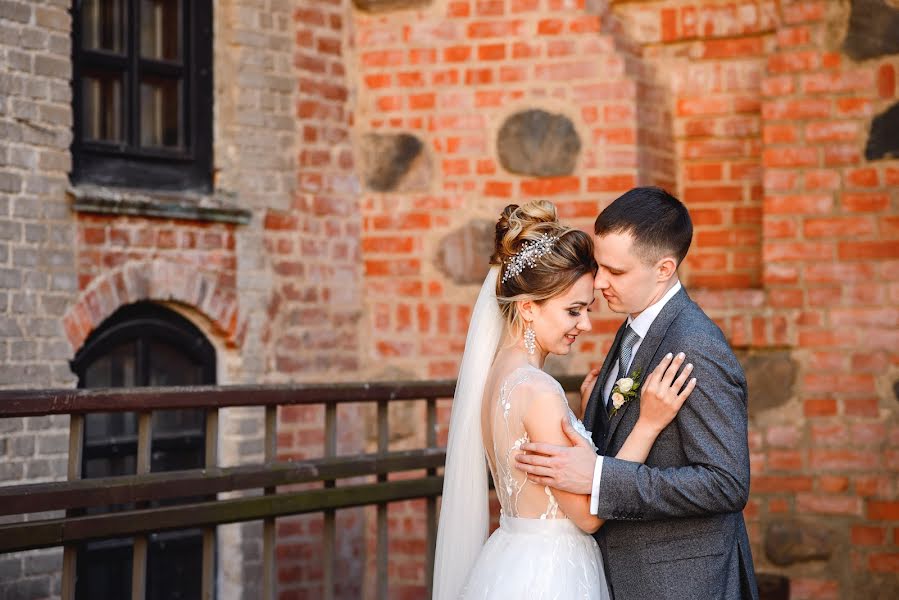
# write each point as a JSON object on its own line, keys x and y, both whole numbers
{"x": 537, "y": 553}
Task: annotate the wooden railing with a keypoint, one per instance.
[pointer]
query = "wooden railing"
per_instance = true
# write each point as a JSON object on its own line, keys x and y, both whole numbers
{"x": 77, "y": 494}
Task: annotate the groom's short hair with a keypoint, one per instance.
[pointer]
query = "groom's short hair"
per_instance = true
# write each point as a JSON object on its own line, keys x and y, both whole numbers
{"x": 658, "y": 222}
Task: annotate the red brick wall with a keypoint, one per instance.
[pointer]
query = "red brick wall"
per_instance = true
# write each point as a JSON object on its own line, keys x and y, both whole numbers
{"x": 831, "y": 266}
{"x": 451, "y": 75}
{"x": 715, "y": 59}
{"x": 312, "y": 333}
{"x": 313, "y": 245}
{"x": 121, "y": 260}
{"x": 748, "y": 110}
{"x": 751, "y": 114}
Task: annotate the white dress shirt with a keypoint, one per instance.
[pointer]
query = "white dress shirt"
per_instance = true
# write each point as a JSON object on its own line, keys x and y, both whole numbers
{"x": 640, "y": 325}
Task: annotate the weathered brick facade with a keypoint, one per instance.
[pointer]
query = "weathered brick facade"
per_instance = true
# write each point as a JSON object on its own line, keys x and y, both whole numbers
{"x": 37, "y": 252}
{"x": 367, "y": 146}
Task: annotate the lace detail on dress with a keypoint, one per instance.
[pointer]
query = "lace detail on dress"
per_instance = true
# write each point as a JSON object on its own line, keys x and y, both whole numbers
{"x": 504, "y": 473}
{"x": 518, "y": 496}
{"x": 580, "y": 428}
{"x": 536, "y": 553}
{"x": 552, "y": 509}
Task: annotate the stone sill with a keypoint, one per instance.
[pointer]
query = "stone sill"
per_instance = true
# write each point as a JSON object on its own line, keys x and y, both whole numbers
{"x": 217, "y": 207}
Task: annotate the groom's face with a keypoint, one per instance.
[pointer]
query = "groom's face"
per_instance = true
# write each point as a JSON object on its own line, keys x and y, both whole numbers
{"x": 627, "y": 283}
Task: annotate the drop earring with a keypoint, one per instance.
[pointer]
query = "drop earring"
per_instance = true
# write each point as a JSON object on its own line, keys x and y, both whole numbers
{"x": 530, "y": 340}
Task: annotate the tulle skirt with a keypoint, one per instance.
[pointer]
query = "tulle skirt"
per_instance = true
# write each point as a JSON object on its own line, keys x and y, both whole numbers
{"x": 537, "y": 559}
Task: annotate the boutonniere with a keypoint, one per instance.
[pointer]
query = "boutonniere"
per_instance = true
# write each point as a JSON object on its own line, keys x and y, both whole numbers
{"x": 625, "y": 390}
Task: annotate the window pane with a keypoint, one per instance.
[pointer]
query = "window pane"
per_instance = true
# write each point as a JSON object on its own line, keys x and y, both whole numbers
{"x": 115, "y": 369}
{"x": 169, "y": 365}
{"x": 174, "y": 562}
{"x": 102, "y": 110}
{"x": 160, "y": 29}
{"x": 160, "y": 112}
{"x": 109, "y": 437}
{"x": 106, "y": 426}
{"x": 102, "y": 25}
{"x": 104, "y": 569}
{"x": 178, "y": 440}
{"x": 126, "y": 464}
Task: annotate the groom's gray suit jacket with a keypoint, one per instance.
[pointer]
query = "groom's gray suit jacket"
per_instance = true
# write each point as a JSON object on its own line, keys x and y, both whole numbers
{"x": 675, "y": 527}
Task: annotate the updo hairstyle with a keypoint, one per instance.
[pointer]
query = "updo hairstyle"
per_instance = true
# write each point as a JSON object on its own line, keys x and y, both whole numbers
{"x": 570, "y": 258}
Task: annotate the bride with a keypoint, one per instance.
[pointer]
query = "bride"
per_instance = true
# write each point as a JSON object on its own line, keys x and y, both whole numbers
{"x": 538, "y": 293}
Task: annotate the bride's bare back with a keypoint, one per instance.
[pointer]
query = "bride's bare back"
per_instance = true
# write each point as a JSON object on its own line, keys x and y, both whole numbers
{"x": 516, "y": 392}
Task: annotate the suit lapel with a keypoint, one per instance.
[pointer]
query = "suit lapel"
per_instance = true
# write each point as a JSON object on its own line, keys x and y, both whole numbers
{"x": 596, "y": 413}
{"x": 648, "y": 348}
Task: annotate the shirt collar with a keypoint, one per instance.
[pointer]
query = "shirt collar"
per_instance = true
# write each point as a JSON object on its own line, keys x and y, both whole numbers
{"x": 641, "y": 324}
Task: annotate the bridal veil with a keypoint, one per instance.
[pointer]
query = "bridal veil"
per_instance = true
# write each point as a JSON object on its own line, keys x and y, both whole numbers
{"x": 464, "y": 512}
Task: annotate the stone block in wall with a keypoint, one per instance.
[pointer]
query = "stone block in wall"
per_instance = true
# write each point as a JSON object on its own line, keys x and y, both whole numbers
{"x": 772, "y": 586}
{"x": 770, "y": 377}
{"x": 10, "y": 183}
{"x": 463, "y": 255}
{"x": 10, "y": 568}
{"x": 873, "y": 27}
{"x": 883, "y": 138}
{"x": 394, "y": 162}
{"x": 538, "y": 143}
{"x": 25, "y": 589}
{"x": 40, "y": 563}
{"x": 791, "y": 541}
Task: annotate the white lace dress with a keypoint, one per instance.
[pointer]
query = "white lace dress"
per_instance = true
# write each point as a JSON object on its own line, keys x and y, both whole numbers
{"x": 537, "y": 553}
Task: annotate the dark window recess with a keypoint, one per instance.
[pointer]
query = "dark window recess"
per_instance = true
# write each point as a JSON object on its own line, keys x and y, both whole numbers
{"x": 143, "y": 344}
{"x": 142, "y": 93}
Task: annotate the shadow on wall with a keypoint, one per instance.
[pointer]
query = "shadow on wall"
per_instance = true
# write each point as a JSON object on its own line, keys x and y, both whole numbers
{"x": 655, "y": 145}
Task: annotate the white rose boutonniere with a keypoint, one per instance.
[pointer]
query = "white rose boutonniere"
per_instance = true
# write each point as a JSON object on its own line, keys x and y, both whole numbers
{"x": 624, "y": 391}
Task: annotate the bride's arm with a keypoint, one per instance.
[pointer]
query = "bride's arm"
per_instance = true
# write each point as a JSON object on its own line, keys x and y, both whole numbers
{"x": 542, "y": 422}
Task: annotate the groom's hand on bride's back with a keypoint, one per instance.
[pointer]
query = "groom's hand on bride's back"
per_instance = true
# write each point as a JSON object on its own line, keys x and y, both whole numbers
{"x": 564, "y": 468}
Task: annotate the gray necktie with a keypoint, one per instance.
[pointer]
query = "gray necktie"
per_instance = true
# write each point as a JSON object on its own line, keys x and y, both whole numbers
{"x": 628, "y": 340}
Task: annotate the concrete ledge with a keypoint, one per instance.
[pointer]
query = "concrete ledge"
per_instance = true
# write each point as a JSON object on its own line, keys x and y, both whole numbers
{"x": 192, "y": 206}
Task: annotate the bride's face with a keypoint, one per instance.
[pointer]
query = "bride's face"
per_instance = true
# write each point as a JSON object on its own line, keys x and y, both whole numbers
{"x": 558, "y": 321}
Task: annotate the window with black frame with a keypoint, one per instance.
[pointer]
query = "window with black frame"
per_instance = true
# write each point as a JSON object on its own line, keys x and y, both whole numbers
{"x": 143, "y": 344}
{"x": 142, "y": 93}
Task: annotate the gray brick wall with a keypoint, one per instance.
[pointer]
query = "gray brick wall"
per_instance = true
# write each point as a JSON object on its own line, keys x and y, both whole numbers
{"x": 37, "y": 256}
{"x": 255, "y": 134}
{"x": 255, "y": 149}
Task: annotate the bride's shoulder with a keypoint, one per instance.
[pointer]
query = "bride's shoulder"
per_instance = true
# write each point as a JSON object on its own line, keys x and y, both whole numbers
{"x": 531, "y": 382}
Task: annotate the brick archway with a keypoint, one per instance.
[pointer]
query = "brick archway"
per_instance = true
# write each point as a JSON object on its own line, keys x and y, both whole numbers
{"x": 158, "y": 280}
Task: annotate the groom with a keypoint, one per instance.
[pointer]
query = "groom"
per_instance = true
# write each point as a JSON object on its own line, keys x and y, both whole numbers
{"x": 674, "y": 524}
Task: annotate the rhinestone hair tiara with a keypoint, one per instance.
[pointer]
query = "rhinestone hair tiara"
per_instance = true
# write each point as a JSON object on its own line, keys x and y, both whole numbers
{"x": 531, "y": 250}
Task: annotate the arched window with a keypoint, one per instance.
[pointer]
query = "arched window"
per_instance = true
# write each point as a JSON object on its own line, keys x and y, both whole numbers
{"x": 143, "y": 344}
